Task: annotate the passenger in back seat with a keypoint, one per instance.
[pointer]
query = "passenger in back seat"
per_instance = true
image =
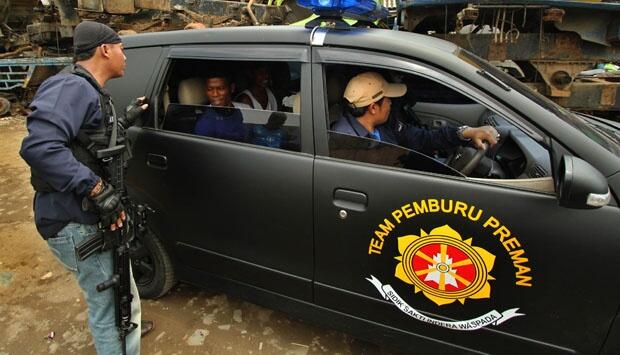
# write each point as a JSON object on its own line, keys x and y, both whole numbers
{"x": 259, "y": 96}
{"x": 222, "y": 119}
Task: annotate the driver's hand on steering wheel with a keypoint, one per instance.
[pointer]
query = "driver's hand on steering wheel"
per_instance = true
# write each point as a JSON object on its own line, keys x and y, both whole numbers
{"x": 479, "y": 135}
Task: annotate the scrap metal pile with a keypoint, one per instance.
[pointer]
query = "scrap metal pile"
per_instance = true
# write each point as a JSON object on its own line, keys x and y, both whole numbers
{"x": 36, "y": 35}
{"x": 567, "y": 50}
{"x": 47, "y": 26}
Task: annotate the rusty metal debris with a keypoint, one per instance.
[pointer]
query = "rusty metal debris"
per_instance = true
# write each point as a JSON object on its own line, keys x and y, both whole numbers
{"x": 49, "y": 24}
{"x": 36, "y": 36}
{"x": 550, "y": 44}
{"x": 554, "y": 15}
{"x": 16, "y": 52}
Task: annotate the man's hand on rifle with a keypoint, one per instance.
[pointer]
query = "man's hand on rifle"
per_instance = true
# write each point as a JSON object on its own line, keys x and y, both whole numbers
{"x": 108, "y": 203}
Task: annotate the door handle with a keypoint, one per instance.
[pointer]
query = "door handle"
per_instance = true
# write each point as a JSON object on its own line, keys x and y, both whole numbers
{"x": 157, "y": 161}
{"x": 350, "y": 200}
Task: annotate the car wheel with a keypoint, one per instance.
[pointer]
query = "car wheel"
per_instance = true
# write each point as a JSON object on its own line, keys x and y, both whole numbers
{"x": 152, "y": 268}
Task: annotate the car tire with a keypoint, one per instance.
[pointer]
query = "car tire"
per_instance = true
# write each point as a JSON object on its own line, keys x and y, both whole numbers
{"x": 152, "y": 268}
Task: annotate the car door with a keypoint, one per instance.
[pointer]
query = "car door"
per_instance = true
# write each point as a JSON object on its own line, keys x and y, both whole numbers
{"x": 450, "y": 261}
{"x": 237, "y": 210}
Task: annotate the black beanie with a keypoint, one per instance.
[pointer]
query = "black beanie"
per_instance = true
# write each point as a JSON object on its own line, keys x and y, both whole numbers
{"x": 90, "y": 34}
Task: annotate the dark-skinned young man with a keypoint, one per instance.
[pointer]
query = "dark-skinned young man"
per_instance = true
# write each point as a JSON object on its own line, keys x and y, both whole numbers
{"x": 222, "y": 119}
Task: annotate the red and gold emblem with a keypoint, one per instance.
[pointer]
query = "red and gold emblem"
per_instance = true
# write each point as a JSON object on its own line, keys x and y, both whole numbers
{"x": 444, "y": 266}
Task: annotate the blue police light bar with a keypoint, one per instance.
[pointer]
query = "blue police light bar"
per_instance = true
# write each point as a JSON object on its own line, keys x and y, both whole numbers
{"x": 365, "y": 10}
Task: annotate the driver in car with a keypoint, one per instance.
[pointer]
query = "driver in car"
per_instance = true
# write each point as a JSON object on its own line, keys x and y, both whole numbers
{"x": 367, "y": 115}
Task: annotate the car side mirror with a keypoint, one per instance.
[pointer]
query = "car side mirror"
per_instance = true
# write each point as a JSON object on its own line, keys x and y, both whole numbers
{"x": 580, "y": 185}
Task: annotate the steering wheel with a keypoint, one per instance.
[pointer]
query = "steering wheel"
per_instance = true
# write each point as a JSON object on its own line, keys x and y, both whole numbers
{"x": 466, "y": 159}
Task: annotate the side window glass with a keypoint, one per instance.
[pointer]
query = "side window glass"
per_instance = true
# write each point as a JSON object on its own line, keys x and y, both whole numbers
{"x": 271, "y": 129}
{"x": 413, "y": 124}
{"x": 249, "y": 102}
{"x": 350, "y": 147}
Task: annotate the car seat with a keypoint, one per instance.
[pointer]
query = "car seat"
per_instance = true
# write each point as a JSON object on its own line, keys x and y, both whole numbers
{"x": 335, "y": 89}
{"x": 192, "y": 91}
{"x": 181, "y": 117}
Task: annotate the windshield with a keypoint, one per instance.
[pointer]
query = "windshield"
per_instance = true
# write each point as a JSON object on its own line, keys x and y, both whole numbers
{"x": 605, "y": 136}
{"x": 607, "y": 131}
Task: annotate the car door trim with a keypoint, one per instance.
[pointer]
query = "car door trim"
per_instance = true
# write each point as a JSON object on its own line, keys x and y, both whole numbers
{"x": 296, "y": 53}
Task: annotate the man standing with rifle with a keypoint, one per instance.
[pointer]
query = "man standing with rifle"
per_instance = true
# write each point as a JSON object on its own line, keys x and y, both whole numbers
{"x": 75, "y": 149}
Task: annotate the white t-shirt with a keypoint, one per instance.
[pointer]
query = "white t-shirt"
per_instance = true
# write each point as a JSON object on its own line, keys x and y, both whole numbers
{"x": 272, "y": 103}
{"x": 240, "y": 105}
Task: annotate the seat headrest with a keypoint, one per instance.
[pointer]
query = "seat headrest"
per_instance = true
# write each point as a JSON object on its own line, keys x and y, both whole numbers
{"x": 335, "y": 88}
{"x": 192, "y": 92}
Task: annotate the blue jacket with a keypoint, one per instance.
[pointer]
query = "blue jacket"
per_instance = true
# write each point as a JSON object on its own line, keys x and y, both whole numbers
{"x": 224, "y": 123}
{"x": 63, "y": 104}
{"x": 408, "y": 136}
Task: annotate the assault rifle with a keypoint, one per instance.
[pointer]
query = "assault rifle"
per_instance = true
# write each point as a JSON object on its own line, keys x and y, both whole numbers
{"x": 118, "y": 240}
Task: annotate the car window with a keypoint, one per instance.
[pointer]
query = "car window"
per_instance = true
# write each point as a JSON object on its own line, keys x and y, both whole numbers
{"x": 345, "y": 146}
{"x": 575, "y": 119}
{"x": 271, "y": 129}
{"x": 431, "y": 106}
{"x": 249, "y": 102}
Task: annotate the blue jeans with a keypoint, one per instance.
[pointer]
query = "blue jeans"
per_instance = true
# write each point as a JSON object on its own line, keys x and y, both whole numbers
{"x": 89, "y": 273}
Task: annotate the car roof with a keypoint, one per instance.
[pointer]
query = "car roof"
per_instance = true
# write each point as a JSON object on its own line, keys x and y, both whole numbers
{"x": 425, "y": 48}
{"x": 405, "y": 43}
{"x": 245, "y": 34}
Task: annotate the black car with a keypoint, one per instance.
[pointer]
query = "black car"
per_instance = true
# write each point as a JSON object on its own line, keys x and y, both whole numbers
{"x": 509, "y": 250}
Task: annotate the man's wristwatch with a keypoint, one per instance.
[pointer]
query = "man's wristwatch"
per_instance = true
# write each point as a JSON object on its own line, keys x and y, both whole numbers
{"x": 459, "y": 133}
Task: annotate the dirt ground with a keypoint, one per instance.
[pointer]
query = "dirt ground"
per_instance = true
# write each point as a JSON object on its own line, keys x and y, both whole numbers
{"x": 38, "y": 296}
